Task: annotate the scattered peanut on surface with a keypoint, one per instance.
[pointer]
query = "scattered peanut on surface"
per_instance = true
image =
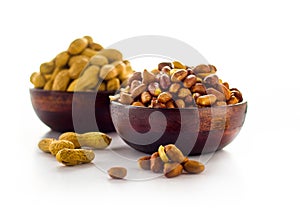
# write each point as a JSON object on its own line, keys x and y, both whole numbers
{"x": 117, "y": 172}
{"x": 170, "y": 161}
{"x": 67, "y": 148}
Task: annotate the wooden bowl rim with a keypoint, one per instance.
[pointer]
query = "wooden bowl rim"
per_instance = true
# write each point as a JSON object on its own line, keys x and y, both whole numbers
{"x": 244, "y": 102}
{"x": 42, "y": 91}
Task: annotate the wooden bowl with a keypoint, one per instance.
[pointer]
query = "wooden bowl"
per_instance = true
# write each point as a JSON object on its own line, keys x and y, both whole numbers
{"x": 73, "y": 111}
{"x": 193, "y": 130}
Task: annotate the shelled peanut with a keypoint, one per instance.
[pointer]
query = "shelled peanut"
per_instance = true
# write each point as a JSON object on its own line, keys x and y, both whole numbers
{"x": 84, "y": 66}
{"x": 170, "y": 161}
{"x": 67, "y": 148}
{"x": 175, "y": 85}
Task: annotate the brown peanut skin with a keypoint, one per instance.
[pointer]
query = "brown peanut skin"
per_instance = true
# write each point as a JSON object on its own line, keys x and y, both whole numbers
{"x": 144, "y": 162}
{"x": 179, "y": 75}
{"x": 206, "y": 100}
{"x": 189, "y": 81}
{"x": 193, "y": 167}
{"x": 172, "y": 170}
{"x": 156, "y": 164}
{"x": 174, "y": 154}
{"x": 117, "y": 172}
{"x": 164, "y": 97}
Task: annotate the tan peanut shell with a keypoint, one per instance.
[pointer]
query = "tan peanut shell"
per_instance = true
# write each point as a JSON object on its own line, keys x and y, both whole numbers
{"x": 61, "y": 81}
{"x": 99, "y": 60}
{"x": 71, "y": 157}
{"x": 47, "y": 67}
{"x": 72, "y": 137}
{"x": 77, "y": 46}
{"x": 97, "y": 140}
{"x": 89, "y": 52}
{"x": 77, "y": 67}
{"x": 113, "y": 84}
{"x": 62, "y": 59}
{"x": 89, "y": 79}
{"x": 108, "y": 72}
{"x": 37, "y": 80}
{"x": 111, "y": 54}
{"x": 44, "y": 144}
{"x": 56, "y": 145}
{"x": 72, "y": 85}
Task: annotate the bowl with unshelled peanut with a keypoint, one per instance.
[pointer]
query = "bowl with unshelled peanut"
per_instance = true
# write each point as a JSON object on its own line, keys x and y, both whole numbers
{"x": 189, "y": 106}
{"x": 71, "y": 92}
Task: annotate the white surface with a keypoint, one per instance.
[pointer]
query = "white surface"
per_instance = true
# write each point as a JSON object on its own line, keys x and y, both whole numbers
{"x": 255, "y": 45}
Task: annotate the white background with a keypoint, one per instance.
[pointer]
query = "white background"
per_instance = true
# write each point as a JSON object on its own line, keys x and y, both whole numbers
{"x": 255, "y": 46}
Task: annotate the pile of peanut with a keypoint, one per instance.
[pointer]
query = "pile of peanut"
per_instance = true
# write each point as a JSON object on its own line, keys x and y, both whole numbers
{"x": 67, "y": 148}
{"x": 175, "y": 85}
{"x": 84, "y": 66}
{"x": 170, "y": 160}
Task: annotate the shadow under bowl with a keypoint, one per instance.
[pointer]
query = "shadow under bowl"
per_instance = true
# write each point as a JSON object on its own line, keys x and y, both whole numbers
{"x": 73, "y": 111}
{"x": 193, "y": 130}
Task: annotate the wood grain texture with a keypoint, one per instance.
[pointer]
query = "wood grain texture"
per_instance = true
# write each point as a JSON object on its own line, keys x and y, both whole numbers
{"x": 194, "y": 131}
{"x": 54, "y": 108}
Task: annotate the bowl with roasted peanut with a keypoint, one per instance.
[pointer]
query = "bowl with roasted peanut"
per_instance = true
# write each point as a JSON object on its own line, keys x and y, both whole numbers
{"x": 190, "y": 107}
{"x": 71, "y": 92}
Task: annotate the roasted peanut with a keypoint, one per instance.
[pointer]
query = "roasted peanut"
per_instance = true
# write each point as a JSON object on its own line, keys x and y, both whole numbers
{"x": 138, "y": 90}
{"x": 199, "y": 88}
{"x": 189, "y": 81}
{"x": 170, "y": 104}
{"x": 148, "y": 77}
{"x": 179, "y": 75}
{"x": 193, "y": 167}
{"x": 183, "y": 92}
{"x": 137, "y": 104}
{"x": 57, "y": 145}
{"x": 180, "y": 103}
{"x": 164, "y": 97}
{"x": 222, "y": 88}
{"x": 237, "y": 94}
{"x": 211, "y": 79}
{"x": 125, "y": 98}
{"x": 146, "y": 97}
{"x": 162, "y": 154}
{"x": 233, "y": 100}
{"x": 154, "y": 89}
{"x": 44, "y": 144}
{"x": 71, "y": 157}
{"x": 174, "y": 154}
{"x": 220, "y": 96}
{"x": 174, "y": 87}
{"x": 172, "y": 170}
{"x": 117, "y": 172}
{"x": 144, "y": 162}
{"x": 163, "y": 64}
{"x": 164, "y": 81}
{"x": 156, "y": 164}
{"x": 135, "y": 76}
{"x": 206, "y": 100}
